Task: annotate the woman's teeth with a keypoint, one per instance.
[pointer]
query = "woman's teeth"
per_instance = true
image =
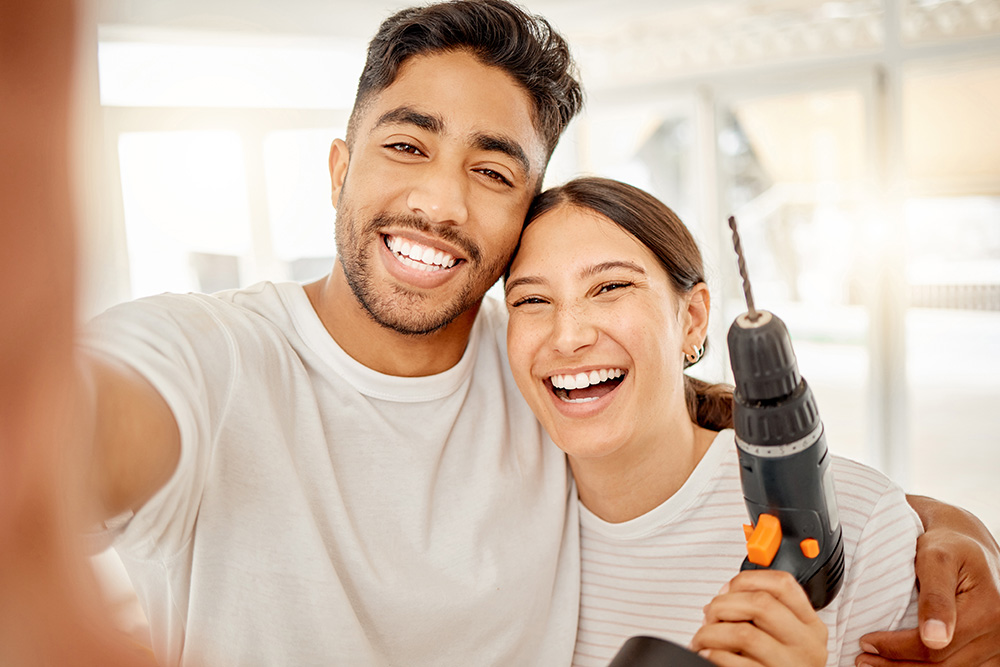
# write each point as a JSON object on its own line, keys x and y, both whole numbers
{"x": 583, "y": 380}
{"x": 586, "y": 387}
{"x": 418, "y": 256}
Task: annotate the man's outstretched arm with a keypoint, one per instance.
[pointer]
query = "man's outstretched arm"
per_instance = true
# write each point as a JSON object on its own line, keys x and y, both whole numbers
{"x": 958, "y": 572}
{"x": 50, "y": 609}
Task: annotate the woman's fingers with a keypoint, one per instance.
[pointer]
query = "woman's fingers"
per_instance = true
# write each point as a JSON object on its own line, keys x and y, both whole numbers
{"x": 770, "y": 599}
{"x": 764, "y": 617}
{"x": 737, "y": 645}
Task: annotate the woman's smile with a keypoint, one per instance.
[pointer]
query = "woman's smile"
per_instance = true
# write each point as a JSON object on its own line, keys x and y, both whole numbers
{"x": 586, "y": 386}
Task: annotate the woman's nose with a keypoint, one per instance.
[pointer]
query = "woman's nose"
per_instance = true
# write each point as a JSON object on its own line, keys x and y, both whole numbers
{"x": 572, "y": 331}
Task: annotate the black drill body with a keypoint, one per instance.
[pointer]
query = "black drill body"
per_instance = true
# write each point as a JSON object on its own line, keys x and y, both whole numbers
{"x": 784, "y": 460}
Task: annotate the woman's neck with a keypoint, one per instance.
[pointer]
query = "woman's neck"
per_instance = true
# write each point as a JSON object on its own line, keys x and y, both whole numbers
{"x": 640, "y": 477}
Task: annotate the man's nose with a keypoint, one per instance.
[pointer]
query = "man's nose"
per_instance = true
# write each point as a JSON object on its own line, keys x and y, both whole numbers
{"x": 572, "y": 330}
{"x": 440, "y": 195}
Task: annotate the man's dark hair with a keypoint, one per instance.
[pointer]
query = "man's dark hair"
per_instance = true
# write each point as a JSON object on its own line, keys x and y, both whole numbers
{"x": 498, "y": 34}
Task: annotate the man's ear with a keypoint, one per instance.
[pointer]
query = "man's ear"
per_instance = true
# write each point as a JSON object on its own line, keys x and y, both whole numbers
{"x": 699, "y": 304}
{"x": 340, "y": 157}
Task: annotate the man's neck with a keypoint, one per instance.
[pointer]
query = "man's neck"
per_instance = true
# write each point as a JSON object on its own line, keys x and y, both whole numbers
{"x": 378, "y": 347}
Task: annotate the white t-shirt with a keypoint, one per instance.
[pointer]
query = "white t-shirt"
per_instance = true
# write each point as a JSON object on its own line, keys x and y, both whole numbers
{"x": 654, "y": 574}
{"x": 326, "y": 514}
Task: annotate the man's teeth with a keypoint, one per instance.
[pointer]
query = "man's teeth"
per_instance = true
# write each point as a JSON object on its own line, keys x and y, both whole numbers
{"x": 418, "y": 256}
{"x": 584, "y": 380}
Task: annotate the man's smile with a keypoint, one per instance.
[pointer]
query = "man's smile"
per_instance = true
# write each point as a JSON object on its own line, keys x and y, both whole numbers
{"x": 418, "y": 255}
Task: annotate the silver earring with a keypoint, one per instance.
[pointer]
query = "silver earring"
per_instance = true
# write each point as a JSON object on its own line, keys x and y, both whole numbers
{"x": 695, "y": 355}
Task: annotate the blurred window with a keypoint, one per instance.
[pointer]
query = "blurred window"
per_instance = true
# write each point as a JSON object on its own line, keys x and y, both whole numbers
{"x": 793, "y": 170}
{"x": 186, "y": 216}
{"x": 300, "y": 211}
{"x": 222, "y": 154}
{"x": 952, "y": 222}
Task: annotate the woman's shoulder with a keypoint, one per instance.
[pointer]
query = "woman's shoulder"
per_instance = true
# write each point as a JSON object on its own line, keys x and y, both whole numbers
{"x": 863, "y": 490}
{"x": 880, "y": 531}
{"x": 874, "y": 513}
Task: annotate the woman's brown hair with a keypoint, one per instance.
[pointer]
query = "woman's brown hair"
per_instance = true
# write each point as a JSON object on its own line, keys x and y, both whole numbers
{"x": 658, "y": 228}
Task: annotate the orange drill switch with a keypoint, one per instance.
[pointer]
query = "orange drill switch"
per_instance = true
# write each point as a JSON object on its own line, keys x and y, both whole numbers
{"x": 810, "y": 547}
{"x": 765, "y": 540}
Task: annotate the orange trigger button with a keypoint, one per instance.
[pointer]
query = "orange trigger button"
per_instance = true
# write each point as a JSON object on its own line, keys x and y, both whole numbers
{"x": 765, "y": 540}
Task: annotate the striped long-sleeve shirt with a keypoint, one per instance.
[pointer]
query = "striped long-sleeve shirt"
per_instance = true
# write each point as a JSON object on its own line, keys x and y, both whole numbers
{"x": 654, "y": 574}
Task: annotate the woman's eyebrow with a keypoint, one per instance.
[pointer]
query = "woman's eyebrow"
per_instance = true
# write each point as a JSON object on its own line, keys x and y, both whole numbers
{"x": 524, "y": 280}
{"x": 607, "y": 266}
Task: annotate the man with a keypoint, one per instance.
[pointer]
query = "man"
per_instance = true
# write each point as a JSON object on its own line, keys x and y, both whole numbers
{"x": 300, "y": 476}
{"x": 319, "y": 476}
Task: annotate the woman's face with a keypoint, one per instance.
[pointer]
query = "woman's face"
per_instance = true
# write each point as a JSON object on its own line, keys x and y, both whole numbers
{"x": 597, "y": 335}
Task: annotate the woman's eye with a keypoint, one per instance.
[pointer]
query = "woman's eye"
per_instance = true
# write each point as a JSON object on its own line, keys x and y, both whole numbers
{"x": 404, "y": 148}
{"x": 527, "y": 300}
{"x": 604, "y": 289}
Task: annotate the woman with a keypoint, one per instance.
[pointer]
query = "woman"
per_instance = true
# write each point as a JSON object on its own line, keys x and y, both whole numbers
{"x": 608, "y": 306}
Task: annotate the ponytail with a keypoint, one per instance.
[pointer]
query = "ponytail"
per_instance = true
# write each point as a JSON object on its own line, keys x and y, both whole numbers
{"x": 709, "y": 405}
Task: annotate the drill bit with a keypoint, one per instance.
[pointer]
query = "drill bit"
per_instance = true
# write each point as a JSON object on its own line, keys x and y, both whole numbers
{"x": 752, "y": 314}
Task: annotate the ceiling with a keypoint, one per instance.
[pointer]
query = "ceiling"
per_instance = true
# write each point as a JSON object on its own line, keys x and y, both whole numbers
{"x": 635, "y": 42}
{"x": 344, "y": 18}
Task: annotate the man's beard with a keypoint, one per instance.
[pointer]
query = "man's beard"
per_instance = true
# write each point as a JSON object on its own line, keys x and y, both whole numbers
{"x": 403, "y": 310}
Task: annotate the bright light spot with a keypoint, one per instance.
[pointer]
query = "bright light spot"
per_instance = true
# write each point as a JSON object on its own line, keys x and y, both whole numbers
{"x": 183, "y": 192}
{"x": 240, "y": 76}
{"x": 298, "y": 192}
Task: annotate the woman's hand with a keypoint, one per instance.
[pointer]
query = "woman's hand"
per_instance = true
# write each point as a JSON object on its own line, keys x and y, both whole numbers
{"x": 762, "y": 618}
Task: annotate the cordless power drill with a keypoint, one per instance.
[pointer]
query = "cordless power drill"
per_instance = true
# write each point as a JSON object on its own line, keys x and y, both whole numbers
{"x": 784, "y": 470}
{"x": 784, "y": 461}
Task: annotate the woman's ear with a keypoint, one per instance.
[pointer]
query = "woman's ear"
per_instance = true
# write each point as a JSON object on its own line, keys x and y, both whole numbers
{"x": 699, "y": 303}
{"x": 340, "y": 157}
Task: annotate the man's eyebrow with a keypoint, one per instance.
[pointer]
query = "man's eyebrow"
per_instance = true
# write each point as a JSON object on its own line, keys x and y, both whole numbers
{"x": 410, "y": 116}
{"x": 501, "y": 144}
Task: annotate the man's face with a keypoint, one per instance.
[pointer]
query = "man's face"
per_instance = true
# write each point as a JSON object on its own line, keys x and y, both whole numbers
{"x": 431, "y": 199}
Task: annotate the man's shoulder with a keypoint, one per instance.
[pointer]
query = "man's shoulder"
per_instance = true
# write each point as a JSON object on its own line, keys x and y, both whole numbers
{"x": 261, "y": 298}
{"x": 493, "y": 314}
{"x": 490, "y": 332}
{"x": 247, "y": 313}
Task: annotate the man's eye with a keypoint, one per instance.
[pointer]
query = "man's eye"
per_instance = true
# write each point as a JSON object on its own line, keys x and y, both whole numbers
{"x": 404, "y": 148}
{"x": 495, "y": 175}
